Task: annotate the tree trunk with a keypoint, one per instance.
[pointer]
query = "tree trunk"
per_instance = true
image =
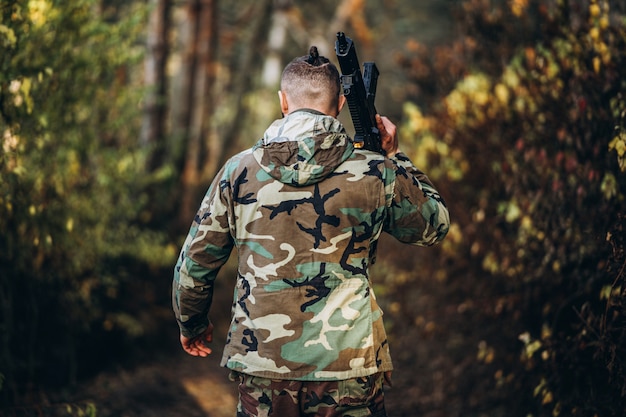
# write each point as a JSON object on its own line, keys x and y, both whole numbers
{"x": 273, "y": 65}
{"x": 205, "y": 82}
{"x": 153, "y": 125}
{"x": 243, "y": 69}
{"x": 198, "y": 80}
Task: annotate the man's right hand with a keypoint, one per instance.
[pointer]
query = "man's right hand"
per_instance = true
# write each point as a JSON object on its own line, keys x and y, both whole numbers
{"x": 388, "y": 135}
{"x": 196, "y": 346}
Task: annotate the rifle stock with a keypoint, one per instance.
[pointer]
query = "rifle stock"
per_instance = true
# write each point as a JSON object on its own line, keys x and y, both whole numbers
{"x": 360, "y": 92}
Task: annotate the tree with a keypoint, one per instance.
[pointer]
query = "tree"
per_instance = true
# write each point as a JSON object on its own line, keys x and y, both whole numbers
{"x": 73, "y": 209}
{"x": 196, "y": 96}
{"x": 528, "y": 138}
{"x": 155, "y": 80}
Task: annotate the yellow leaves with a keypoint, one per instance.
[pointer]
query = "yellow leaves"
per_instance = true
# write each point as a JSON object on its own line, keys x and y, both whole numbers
{"x": 470, "y": 103}
{"x": 455, "y": 103}
{"x": 9, "y": 206}
{"x": 510, "y": 78}
{"x": 513, "y": 212}
{"x": 596, "y": 64}
{"x": 599, "y": 23}
{"x": 531, "y": 348}
{"x": 69, "y": 225}
{"x": 518, "y": 7}
{"x": 476, "y": 86}
{"x": 395, "y": 307}
{"x": 453, "y": 239}
{"x": 605, "y": 292}
{"x": 73, "y": 164}
{"x": 415, "y": 132}
{"x": 526, "y": 223}
{"x": 546, "y": 395}
{"x": 38, "y": 11}
{"x": 7, "y": 37}
{"x": 528, "y": 232}
{"x": 126, "y": 163}
{"x": 502, "y": 93}
{"x": 536, "y": 348}
{"x": 21, "y": 91}
{"x": 47, "y": 71}
{"x": 501, "y": 378}
{"x": 455, "y": 234}
{"x": 479, "y": 99}
{"x": 416, "y": 121}
{"x": 546, "y": 333}
{"x": 81, "y": 410}
{"x": 485, "y": 353}
{"x": 171, "y": 251}
{"x": 618, "y": 144}
{"x": 491, "y": 263}
{"x": 609, "y": 186}
{"x": 10, "y": 141}
{"x": 472, "y": 89}
{"x": 604, "y": 22}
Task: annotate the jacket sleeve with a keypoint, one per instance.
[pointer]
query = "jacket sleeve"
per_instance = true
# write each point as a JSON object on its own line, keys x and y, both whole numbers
{"x": 417, "y": 214}
{"x": 205, "y": 251}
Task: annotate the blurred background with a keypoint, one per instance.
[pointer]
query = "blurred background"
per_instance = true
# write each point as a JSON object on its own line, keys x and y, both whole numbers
{"x": 115, "y": 116}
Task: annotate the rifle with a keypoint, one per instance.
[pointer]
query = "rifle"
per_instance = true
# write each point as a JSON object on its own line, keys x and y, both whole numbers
{"x": 360, "y": 92}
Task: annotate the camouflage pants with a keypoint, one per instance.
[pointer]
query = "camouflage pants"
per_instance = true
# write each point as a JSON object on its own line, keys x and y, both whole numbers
{"x": 262, "y": 397}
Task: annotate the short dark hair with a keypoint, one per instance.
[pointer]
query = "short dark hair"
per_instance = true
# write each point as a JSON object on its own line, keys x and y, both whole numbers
{"x": 311, "y": 79}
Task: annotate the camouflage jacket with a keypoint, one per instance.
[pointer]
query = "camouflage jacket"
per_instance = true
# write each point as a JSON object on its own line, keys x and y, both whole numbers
{"x": 303, "y": 209}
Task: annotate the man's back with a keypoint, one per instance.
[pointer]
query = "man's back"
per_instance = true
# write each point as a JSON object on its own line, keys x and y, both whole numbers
{"x": 304, "y": 210}
{"x": 304, "y": 308}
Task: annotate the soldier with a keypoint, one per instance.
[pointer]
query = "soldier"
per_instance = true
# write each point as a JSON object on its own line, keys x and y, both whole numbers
{"x": 304, "y": 209}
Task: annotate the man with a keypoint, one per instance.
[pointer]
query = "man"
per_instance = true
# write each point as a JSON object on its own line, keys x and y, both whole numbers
{"x": 304, "y": 209}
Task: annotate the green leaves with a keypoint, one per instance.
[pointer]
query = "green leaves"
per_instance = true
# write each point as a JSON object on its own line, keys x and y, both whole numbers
{"x": 75, "y": 203}
{"x": 538, "y": 133}
{"x": 618, "y": 145}
{"x": 7, "y": 37}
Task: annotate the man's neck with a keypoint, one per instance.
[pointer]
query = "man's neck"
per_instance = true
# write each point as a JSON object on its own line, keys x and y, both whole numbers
{"x": 308, "y": 110}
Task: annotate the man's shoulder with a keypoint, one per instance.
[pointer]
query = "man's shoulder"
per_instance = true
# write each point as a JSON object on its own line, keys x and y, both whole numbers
{"x": 243, "y": 157}
{"x": 372, "y": 158}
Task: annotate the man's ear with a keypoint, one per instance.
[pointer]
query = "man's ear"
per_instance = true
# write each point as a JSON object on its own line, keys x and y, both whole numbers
{"x": 284, "y": 106}
{"x": 341, "y": 103}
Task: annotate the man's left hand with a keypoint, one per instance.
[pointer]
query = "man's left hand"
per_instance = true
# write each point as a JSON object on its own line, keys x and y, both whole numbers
{"x": 196, "y": 346}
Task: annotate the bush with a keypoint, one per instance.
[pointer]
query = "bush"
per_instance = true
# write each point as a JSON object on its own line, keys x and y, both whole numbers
{"x": 527, "y": 135}
{"x": 74, "y": 208}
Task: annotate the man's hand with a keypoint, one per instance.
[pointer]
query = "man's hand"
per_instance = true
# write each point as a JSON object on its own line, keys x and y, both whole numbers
{"x": 387, "y": 380}
{"x": 196, "y": 346}
{"x": 388, "y": 135}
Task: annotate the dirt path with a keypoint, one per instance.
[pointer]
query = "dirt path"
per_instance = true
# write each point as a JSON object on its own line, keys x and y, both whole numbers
{"x": 174, "y": 387}
{"x": 178, "y": 386}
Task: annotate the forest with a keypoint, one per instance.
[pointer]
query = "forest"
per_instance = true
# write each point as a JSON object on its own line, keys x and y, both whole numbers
{"x": 115, "y": 116}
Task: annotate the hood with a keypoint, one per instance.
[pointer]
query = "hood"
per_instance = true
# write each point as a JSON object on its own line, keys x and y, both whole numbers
{"x": 303, "y": 148}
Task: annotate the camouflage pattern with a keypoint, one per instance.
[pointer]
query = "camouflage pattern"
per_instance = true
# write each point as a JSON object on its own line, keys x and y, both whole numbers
{"x": 357, "y": 397}
{"x": 303, "y": 210}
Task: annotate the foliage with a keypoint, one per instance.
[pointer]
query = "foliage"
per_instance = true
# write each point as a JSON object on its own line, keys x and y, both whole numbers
{"x": 529, "y": 138}
{"x": 74, "y": 202}
{"x": 53, "y": 410}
